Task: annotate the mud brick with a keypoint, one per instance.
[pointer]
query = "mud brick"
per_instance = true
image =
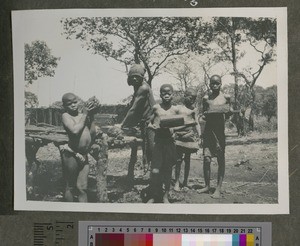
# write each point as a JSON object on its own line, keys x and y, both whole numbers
{"x": 171, "y": 121}
{"x": 221, "y": 109}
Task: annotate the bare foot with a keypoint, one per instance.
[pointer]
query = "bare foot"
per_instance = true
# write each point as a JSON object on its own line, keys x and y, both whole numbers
{"x": 166, "y": 200}
{"x": 185, "y": 184}
{"x": 151, "y": 200}
{"x": 177, "y": 187}
{"x": 216, "y": 195}
{"x": 203, "y": 190}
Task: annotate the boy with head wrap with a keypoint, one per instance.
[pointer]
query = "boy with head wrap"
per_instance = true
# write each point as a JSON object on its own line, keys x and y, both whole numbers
{"x": 141, "y": 109}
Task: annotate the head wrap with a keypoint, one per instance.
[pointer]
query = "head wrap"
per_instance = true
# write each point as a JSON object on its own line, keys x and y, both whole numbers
{"x": 136, "y": 69}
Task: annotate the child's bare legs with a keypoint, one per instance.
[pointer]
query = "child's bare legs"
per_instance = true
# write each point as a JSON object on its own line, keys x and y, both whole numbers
{"x": 221, "y": 173}
{"x": 70, "y": 172}
{"x": 187, "y": 162}
{"x": 82, "y": 182}
{"x": 74, "y": 177}
{"x": 167, "y": 175}
{"x": 155, "y": 185}
{"x": 206, "y": 171}
{"x": 177, "y": 170}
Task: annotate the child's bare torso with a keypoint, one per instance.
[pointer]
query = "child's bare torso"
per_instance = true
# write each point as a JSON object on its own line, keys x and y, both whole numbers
{"x": 80, "y": 143}
{"x": 219, "y": 100}
{"x": 161, "y": 112}
{"x": 189, "y": 115}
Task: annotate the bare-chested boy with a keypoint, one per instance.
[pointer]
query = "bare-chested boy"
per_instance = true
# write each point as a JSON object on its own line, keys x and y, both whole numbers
{"x": 80, "y": 130}
{"x": 164, "y": 152}
{"x": 213, "y": 134}
{"x": 186, "y": 140}
{"x": 140, "y": 111}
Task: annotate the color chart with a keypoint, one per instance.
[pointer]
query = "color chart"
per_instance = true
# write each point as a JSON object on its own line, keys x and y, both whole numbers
{"x": 92, "y": 233}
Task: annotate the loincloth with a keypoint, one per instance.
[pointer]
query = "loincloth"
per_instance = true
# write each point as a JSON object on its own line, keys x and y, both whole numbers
{"x": 164, "y": 153}
{"x": 186, "y": 141}
{"x": 213, "y": 143}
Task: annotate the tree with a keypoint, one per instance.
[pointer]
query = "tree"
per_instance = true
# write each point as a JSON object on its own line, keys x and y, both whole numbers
{"x": 269, "y": 102}
{"x": 183, "y": 72}
{"x": 231, "y": 33}
{"x": 152, "y": 41}
{"x": 31, "y": 100}
{"x": 39, "y": 61}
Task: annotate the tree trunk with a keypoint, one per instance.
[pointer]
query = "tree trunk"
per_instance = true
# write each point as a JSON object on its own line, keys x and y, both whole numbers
{"x": 149, "y": 81}
{"x": 240, "y": 120}
{"x": 252, "y": 105}
{"x": 99, "y": 152}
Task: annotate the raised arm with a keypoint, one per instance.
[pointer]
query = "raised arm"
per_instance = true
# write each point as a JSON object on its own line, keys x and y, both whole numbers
{"x": 77, "y": 127}
{"x": 72, "y": 126}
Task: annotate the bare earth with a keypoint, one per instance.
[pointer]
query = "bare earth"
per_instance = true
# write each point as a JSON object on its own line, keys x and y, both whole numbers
{"x": 251, "y": 176}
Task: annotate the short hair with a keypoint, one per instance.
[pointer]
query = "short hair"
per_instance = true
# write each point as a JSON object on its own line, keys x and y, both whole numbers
{"x": 165, "y": 86}
{"x": 215, "y": 76}
{"x": 191, "y": 90}
{"x": 66, "y": 97}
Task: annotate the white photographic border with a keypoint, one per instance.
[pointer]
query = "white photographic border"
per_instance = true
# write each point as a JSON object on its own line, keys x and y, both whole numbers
{"x": 20, "y": 201}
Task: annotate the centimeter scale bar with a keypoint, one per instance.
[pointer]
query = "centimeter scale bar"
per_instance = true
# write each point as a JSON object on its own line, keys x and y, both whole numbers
{"x": 173, "y": 239}
{"x": 93, "y": 233}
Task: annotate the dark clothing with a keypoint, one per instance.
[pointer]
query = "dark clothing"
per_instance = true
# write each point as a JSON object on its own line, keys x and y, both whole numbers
{"x": 186, "y": 140}
{"x": 214, "y": 135}
{"x": 164, "y": 152}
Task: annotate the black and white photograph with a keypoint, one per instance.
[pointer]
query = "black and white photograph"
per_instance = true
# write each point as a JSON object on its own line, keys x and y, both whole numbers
{"x": 151, "y": 110}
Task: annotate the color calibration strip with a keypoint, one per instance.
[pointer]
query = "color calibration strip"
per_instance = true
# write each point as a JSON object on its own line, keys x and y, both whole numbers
{"x": 117, "y": 239}
{"x": 92, "y": 233}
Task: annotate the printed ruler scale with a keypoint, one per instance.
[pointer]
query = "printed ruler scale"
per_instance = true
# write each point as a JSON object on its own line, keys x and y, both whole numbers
{"x": 92, "y": 233}
{"x": 57, "y": 233}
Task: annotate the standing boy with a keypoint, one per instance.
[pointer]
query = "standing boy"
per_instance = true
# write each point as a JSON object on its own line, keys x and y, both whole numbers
{"x": 141, "y": 109}
{"x": 164, "y": 152}
{"x": 186, "y": 139}
{"x": 215, "y": 107}
{"x": 80, "y": 130}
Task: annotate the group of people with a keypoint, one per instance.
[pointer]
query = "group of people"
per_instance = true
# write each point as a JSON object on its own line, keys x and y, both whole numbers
{"x": 170, "y": 134}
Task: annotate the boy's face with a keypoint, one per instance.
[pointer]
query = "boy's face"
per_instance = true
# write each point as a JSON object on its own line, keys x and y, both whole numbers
{"x": 166, "y": 94}
{"x": 215, "y": 83}
{"x": 71, "y": 104}
{"x": 135, "y": 80}
{"x": 190, "y": 98}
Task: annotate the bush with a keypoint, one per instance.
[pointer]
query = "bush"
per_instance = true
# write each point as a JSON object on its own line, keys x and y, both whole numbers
{"x": 261, "y": 124}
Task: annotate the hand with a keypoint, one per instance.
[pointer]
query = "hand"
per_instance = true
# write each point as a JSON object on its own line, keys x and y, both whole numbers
{"x": 90, "y": 106}
{"x": 85, "y": 110}
{"x": 200, "y": 143}
{"x": 118, "y": 126}
{"x": 80, "y": 157}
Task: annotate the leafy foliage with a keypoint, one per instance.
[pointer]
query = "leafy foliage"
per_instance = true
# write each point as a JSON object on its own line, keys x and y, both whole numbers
{"x": 152, "y": 41}
{"x": 31, "y": 100}
{"x": 38, "y": 61}
{"x": 230, "y": 33}
{"x": 265, "y": 103}
{"x": 269, "y": 103}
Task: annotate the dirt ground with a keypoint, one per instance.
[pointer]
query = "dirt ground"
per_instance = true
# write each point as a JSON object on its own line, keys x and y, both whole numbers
{"x": 251, "y": 176}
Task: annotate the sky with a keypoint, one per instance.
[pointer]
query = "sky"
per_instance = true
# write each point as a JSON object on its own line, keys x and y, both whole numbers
{"x": 86, "y": 74}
